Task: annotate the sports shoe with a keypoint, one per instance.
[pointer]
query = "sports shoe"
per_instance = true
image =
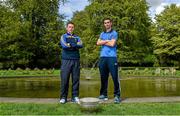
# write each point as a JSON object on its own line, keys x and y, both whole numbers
{"x": 103, "y": 97}
{"x": 117, "y": 99}
{"x": 75, "y": 100}
{"x": 63, "y": 101}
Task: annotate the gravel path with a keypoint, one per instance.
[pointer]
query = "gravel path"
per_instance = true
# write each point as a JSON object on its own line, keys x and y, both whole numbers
{"x": 56, "y": 100}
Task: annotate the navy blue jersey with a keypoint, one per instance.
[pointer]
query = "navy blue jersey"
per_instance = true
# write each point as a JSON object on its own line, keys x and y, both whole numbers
{"x": 71, "y": 44}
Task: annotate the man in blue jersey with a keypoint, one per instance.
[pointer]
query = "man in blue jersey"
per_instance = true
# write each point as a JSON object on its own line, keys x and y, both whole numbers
{"x": 108, "y": 61}
{"x": 70, "y": 64}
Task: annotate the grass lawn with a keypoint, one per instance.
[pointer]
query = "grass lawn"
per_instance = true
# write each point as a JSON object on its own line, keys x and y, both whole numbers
{"x": 56, "y": 73}
{"x": 29, "y": 73}
{"x": 105, "y": 109}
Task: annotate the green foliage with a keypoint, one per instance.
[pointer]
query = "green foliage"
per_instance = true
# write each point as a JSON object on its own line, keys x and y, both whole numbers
{"x": 28, "y": 72}
{"x": 89, "y": 54}
{"x": 166, "y": 40}
{"x": 130, "y": 20}
{"x": 29, "y": 33}
{"x": 93, "y": 73}
{"x": 150, "y": 71}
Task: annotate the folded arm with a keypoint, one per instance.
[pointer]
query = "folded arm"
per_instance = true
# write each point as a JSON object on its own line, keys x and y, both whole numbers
{"x": 64, "y": 44}
{"x": 110, "y": 43}
{"x": 70, "y": 45}
{"x": 79, "y": 43}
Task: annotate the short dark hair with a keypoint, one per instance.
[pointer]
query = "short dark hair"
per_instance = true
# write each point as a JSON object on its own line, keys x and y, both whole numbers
{"x": 107, "y": 19}
{"x": 69, "y": 23}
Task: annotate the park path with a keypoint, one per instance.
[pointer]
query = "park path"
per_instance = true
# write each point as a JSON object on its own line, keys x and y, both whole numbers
{"x": 56, "y": 100}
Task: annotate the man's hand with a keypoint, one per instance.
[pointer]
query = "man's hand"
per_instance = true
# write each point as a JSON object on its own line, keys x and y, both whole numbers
{"x": 102, "y": 42}
{"x": 68, "y": 44}
{"x": 111, "y": 43}
{"x": 73, "y": 45}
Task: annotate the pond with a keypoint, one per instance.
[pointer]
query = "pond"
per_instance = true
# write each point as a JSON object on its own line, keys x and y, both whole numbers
{"x": 49, "y": 87}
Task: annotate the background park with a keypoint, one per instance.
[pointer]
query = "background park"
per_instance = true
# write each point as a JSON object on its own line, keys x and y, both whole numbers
{"x": 30, "y": 55}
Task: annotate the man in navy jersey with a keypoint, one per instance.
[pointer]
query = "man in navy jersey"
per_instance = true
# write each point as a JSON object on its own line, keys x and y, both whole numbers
{"x": 108, "y": 61}
{"x": 70, "y": 64}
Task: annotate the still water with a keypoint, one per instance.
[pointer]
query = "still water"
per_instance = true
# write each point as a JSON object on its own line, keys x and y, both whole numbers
{"x": 49, "y": 87}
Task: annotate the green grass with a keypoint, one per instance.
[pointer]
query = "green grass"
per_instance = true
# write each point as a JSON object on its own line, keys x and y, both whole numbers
{"x": 105, "y": 109}
{"x": 28, "y": 73}
{"x": 93, "y": 72}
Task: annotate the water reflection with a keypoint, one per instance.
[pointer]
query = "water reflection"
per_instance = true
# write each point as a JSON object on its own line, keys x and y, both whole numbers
{"x": 50, "y": 87}
{"x": 151, "y": 87}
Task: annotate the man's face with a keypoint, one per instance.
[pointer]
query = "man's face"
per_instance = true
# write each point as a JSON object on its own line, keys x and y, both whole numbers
{"x": 107, "y": 24}
{"x": 70, "y": 28}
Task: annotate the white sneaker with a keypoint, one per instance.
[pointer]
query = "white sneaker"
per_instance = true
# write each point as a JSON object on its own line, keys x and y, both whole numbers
{"x": 103, "y": 97}
{"x": 62, "y": 101}
{"x": 76, "y": 100}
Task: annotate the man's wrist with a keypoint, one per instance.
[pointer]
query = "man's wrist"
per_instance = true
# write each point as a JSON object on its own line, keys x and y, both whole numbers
{"x": 106, "y": 41}
{"x": 73, "y": 44}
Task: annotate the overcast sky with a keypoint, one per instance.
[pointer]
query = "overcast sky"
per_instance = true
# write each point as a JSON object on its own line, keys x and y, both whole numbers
{"x": 71, "y": 6}
{"x": 156, "y": 6}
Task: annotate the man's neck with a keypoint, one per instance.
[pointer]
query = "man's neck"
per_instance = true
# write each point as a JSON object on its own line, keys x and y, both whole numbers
{"x": 70, "y": 33}
{"x": 108, "y": 30}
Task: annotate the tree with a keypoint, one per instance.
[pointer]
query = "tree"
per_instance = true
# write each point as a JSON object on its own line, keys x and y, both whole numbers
{"x": 130, "y": 20}
{"x": 90, "y": 52}
{"x": 9, "y": 31}
{"x": 32, "y": 36}
{"x": 166, "y": 40}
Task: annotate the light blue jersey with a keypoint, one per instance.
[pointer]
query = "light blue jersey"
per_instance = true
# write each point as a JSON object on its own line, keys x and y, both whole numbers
{"x": 107, "y": 51}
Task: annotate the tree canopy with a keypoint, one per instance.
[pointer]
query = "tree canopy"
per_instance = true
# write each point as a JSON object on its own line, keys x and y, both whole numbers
{"x": 166, "y": 40}
{"x": 30, "y": 31}
{"x": 130, "y": 20}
